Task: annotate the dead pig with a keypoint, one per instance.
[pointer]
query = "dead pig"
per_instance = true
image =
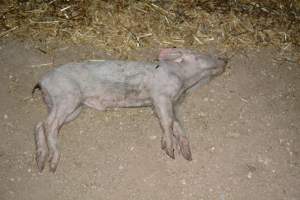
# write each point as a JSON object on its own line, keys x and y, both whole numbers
{"x": 113, "y": 83}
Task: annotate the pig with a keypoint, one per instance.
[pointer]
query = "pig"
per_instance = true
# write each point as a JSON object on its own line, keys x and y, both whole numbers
{"x": 114, "y": 83}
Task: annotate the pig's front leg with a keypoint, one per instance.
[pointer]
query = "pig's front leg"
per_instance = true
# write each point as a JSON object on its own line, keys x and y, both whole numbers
{"x": 182, "y": 140}
{"x": 164, "y": 110}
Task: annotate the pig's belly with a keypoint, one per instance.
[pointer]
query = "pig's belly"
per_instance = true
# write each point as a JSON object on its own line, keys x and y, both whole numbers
{"x": 104, "y": 102}
{"x": 111, "y": 94}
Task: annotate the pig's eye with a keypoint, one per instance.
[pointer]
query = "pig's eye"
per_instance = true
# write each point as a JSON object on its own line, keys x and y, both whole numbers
{"x": 194, "y": 57}
{"x": 198, "y": 57}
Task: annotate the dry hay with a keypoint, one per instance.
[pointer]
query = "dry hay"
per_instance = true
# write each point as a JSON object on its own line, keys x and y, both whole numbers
{"x": 120, "y": 26}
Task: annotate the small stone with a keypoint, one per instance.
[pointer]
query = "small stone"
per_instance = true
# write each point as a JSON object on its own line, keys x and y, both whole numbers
{"x": 205, "y": 99}
{"x": 92, "y": 148}
{"x": 233, "y": 134}
{"x": 183, "y": 182}
{"x": 249, "y": 175}
{"x": 121, "y": 167}
{"x": 201, "y": 114}
{"x": 12, "y": 179}
{"x": 29, "y": 170}
{"x": 5, "y": 116}
{"x": 212, "y": 149}
{"x": 281, "y": 141}
{"x": 153, "y": 137}
{"x": 265, "y": 161}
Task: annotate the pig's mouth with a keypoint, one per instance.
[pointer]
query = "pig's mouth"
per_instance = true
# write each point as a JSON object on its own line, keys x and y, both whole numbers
{"x": 217, "y": 70}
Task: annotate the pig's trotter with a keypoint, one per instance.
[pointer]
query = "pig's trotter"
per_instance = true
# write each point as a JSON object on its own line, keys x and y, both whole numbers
{"x": 167, "y": 146}
{"x": 52, "y": 140}
{"x": 54, "y": 160}
{"x": 41, "y": 160}
{"x": 182, "y": 141}
{"x": 163, "y": 143}
{"x": 169, "y": 150}
{"x": 185, "y": 147}
{"x": 41, "y": 146}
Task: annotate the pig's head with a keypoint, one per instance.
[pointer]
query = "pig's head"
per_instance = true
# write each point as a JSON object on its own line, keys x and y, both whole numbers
{"x": 193, "y": 62}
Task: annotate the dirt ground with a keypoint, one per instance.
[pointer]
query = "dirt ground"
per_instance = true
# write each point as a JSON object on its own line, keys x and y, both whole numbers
{"x": 243, "y": 128}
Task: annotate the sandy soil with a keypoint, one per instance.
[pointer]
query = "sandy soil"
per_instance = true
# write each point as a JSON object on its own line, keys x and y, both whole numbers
{"x": 243, "y": 127}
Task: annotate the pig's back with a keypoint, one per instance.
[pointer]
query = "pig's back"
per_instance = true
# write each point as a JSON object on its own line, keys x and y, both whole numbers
{"x": 92, "y": 77}
{"x": 108, "y": 70}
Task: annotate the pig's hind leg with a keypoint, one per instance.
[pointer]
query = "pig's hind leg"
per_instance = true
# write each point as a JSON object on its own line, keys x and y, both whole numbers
{"x": 40, "y": 137}
{"x": 41, "y": 146}
{"x": 63, "y": 109}
{"x": 73, "y": 115}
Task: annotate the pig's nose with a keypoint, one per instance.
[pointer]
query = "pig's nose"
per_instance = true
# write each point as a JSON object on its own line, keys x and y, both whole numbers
{"x": 217, "y": 71}
{"x": 222, "y": 62}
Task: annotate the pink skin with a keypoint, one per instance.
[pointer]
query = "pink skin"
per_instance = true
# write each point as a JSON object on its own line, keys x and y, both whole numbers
{"x": 108, "y": 84}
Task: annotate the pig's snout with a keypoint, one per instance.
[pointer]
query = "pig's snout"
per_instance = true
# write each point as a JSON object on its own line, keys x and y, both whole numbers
{"x": 219, "y": 66}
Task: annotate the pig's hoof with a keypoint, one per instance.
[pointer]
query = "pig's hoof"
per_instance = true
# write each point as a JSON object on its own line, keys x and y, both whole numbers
{"x": 185, "y": 148}
{"x": 170, "y": 152}
{"x": 163, "y": 143}
{"x": 167, "y": 147}
{"x": 41, "y": 157}
{"x": 53, "y": 161}
{"x": 53, "y": 168}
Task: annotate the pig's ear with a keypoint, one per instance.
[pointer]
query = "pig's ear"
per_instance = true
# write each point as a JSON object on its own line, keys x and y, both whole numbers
{"x": 171, "y": 55}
